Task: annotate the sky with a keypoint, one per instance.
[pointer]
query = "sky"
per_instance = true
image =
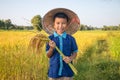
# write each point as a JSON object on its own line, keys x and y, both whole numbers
{"x": 90, "y": 12}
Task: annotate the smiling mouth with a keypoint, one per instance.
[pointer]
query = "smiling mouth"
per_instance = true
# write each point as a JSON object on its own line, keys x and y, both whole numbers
{"x": 60, "y": 30}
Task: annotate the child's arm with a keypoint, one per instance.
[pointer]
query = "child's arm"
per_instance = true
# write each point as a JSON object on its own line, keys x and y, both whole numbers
{"x": 69, "y": 59}
{"x": 50, "y": 51}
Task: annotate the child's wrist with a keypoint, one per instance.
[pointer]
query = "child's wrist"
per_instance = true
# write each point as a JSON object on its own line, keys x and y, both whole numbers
{"x": 71, "y": 58}
{"x": 51, "y": 48}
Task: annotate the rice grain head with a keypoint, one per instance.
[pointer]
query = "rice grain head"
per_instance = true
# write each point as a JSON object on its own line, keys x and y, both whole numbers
{"x": 37, "y": 42}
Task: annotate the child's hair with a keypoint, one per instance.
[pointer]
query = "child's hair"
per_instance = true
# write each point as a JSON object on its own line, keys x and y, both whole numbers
{"x": 60, "y": 15}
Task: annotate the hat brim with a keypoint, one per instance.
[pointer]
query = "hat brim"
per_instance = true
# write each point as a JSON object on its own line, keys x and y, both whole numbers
{"x": 74, "y": 22}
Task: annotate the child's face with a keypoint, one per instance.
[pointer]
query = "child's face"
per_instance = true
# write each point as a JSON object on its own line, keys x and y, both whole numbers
{"x": 60, "y": 25}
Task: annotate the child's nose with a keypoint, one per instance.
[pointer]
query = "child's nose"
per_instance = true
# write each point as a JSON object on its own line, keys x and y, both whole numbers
{"x": 60, "y": 25}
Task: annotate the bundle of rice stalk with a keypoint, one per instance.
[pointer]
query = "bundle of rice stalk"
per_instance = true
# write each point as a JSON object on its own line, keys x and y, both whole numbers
{"x": 37, "y": 42}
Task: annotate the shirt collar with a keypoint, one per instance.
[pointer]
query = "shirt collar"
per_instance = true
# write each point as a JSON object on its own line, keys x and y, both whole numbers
{"x": 64, "y": 34}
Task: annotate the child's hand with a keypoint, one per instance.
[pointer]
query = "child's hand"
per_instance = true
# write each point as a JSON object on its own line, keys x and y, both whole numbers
{"x": 67, "y": 59}
{"x": 52, "y": 44}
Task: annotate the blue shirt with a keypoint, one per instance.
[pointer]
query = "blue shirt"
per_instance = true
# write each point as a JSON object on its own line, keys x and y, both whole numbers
{"x": 67, "y": 44}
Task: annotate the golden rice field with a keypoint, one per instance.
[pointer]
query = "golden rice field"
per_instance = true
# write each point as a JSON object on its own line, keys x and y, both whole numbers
{"x": 98, "y": 57}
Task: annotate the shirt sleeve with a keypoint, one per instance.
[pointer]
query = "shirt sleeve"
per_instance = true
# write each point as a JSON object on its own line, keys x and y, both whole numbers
{"x": 74, "y": 46}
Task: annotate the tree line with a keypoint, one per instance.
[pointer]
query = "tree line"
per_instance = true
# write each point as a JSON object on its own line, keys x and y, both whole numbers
{"x": 8, "y": 25}
{"x": 105, "y": 27}
{"x": 111, "y": 27}
{"x": 36, "y": 22}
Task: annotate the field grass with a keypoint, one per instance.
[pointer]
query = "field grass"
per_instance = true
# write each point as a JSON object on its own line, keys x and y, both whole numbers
{"x": 98, "y": 57}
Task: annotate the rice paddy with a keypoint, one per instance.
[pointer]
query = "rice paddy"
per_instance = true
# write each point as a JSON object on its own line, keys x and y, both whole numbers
{"x": 98, "y": 57}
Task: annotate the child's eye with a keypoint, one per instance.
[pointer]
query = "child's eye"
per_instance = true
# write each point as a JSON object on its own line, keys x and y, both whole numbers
{"x": 58, "y": 23}
{"x": 63, "y": 23}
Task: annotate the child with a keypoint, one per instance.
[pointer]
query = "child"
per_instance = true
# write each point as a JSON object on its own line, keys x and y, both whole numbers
{"x": 62, "y": 22}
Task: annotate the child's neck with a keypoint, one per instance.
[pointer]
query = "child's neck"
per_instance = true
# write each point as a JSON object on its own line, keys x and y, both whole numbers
{"x": 60, "y": 33}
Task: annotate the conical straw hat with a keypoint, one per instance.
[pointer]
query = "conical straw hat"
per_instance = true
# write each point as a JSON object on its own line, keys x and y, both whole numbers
{"x": 74, "y": 22}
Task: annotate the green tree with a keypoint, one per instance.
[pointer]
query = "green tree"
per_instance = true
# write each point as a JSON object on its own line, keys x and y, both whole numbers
{"x": 37, "y": 22}
{"x": 7, "y": 24}
{"x": 105, "y": 28}
{"x": 84, "y": 27}
{"x": 1, "y": 24}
